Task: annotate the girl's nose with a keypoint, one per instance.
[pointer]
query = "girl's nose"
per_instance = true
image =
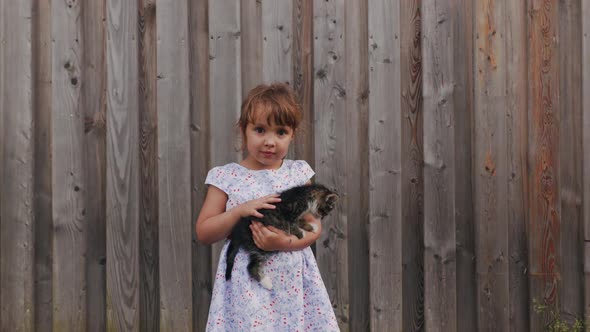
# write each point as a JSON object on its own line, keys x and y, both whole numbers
{"x": 269, "y": 142}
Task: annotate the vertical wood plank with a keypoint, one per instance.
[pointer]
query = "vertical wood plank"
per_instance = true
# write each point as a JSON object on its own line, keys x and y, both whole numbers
{"x": 490, "y": 167}
{"x": 516, "y": 135}
{"x": 122, "y": 180}
{"x": 330, "y": 148}
{"x": 448, "y": 229}
{"x": 466, "y": 314}
{"x": 385, "y": 166}
{"x": 356, "y": 197}
{"x": 225, "y": 87}
{"x": 17, "y": 213}
{"x": 571, "y": 300}
{"x": 175, "y": 232}
{"x": 149, "y": 283}
{"x": 303, "y": 77}
{"x": 251, "y": 44}
{"x": 68, "y": 169}
{"x": 42, "y": 175}
{"x": 543, "y": 129}
{"x": 585, "y": 12}
{"x": 277, "y": 40}
{"x": 412, "y": 180}
{"x": 94, "y": 101}
{"x": 439, "y": 162}
{"x": 200, "y": 154}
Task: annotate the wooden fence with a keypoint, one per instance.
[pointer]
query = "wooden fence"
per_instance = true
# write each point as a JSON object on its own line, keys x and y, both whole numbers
{"x": 458, "y": 132}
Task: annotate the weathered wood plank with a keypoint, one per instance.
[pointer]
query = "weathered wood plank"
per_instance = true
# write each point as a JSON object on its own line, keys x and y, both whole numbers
{"x": 585, "y": 12}
{"x": 277, "y": 40}
{"x": 448, "y": 228}
{"x": 357, "y": 161}
{"x": 122, "y": 180}
{"x": 68, "y": 169}
{"x": 175, "y": 232}
{"x": 439, "y": 163}
{"x": 330, "y": 149}
{"x": 200, "y": 154}
{"x": 571, "y": 300}
{"x": 94, "y": 101}
{"x": 251, "y": 44}
{"x": 543, "y": 138}
{"x": 149, "y": 284}
{"x": 225, "y": 88}
{"x": 516, "y": 124}
{"x": 303, "y": 77}
{"x": 412, "y": 180}
{"x": 42, "y": 175}
{"x": 385, "y": 166}
{"x": 491, "y": 167}
{"x": 17, "y": 213}
{"x": 466, "y": 315}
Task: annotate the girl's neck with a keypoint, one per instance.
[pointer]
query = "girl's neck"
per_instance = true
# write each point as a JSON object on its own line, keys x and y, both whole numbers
{"x": 253, "y": 165}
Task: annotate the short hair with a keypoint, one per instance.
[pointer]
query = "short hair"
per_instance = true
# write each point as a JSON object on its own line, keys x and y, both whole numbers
{"x": 276, "y": 101}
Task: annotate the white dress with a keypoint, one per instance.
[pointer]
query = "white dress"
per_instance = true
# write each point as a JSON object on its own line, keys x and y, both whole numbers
{"x": 298, "y": 300}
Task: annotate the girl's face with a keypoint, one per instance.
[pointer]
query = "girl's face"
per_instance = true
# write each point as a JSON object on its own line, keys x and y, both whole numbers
{"x": 267, "y": 144}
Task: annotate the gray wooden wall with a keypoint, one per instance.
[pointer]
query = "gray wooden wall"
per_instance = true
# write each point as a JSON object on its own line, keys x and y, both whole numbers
{"x": 457, "y": 132}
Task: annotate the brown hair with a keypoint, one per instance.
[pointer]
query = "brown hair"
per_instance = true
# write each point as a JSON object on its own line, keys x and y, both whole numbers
{"x": 276, "y": 101}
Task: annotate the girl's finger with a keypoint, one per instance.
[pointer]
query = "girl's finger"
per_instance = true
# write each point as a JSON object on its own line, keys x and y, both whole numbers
{"x": 258, "y": 214}
{"x": 269, "y": 206}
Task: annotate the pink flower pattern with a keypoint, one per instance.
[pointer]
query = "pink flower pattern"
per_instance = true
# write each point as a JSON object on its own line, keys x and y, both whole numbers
{"x": 299, "y": 300}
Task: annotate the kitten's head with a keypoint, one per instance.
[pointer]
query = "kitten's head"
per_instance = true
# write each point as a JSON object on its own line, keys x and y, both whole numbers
{"x": 325, "y": 198}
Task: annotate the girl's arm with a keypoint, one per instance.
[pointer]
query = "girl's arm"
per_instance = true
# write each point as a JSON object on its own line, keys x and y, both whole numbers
{"x": 272, "y": 239}
{"x": 215, "y": 223}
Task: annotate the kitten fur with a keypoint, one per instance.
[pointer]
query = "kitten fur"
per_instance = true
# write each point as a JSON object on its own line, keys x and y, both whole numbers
{"x": 295, "y": 202}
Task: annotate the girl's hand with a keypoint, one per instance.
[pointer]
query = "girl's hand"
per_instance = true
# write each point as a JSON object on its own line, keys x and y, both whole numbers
{"x": 269, "y": 238}
{"x": 250, "y": 208}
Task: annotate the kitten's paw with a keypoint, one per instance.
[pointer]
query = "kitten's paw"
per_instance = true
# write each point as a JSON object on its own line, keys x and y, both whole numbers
{"x": 314, "y": 228}
{"x": 266, "y": 282}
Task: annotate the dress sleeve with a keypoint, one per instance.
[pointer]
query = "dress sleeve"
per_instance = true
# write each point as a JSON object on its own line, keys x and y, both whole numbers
{"x": 303, "y": 171}
{"x": 218, "y": 177}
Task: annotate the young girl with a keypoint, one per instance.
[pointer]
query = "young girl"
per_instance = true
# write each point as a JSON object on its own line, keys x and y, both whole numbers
{"x": 298, "y": 300}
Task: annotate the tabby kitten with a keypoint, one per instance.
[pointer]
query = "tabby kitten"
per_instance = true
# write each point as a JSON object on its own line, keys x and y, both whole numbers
{"x": 288, "y": 216}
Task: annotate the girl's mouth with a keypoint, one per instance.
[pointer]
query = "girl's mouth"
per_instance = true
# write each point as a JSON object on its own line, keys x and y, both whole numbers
{"x": 267, "y": 154}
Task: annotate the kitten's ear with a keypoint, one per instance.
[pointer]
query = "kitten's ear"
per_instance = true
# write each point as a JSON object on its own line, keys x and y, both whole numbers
{"x": 332, "y": 198}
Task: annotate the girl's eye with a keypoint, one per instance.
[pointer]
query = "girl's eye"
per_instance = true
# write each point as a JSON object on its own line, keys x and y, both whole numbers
{"x": 282, "y": 132}
{"x": 259, "y": 130}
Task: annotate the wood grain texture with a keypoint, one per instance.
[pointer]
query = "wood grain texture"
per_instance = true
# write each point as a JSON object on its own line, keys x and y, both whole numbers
{"x": 303, "y": 147}
{"x": 42, "y": 174}
{"x": 149, "y": 284}
{"x": 585, "y": 12}
{"x": 571, "y": 300}
{"x": 277, "y": 41}
{"x": 448, "y": 228}
{"x": 357, "y": 166}
{"x": 516, "y": 150}
{"x": 200, "y": 154}
{"x": 412, "y": 180}
{"x": 439, "y": 189}
{"x": 17, "y": 215}
{"x": 490, "y": 162}
{"x": 330, "y": 149}
{"x": 544, "y": 183}
{"x": 94, "y": 101}
{"x": 251, "y": 44}
{"x": 69, "y": 172}
{"x": 122, "y": 180}
{"x": 462, "y": 42}
{"x": 225, "y": 89}
{"x": 385, "y": 167}
{"x": 175, "y": 230}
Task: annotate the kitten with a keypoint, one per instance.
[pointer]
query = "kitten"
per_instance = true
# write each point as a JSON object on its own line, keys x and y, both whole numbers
{"x": 295, "y": 202}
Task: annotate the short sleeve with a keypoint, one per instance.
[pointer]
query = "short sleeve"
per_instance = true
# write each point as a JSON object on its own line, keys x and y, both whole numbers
{"x": 217, "y": 177}
{"x": 302, "y": 171}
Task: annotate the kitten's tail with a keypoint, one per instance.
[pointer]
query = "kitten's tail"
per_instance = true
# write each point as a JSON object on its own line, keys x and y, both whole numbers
{"x": 232, "y": 251}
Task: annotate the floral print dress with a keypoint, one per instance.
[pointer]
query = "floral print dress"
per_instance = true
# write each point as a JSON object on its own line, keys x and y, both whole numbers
{"x": 298, "y": 300}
